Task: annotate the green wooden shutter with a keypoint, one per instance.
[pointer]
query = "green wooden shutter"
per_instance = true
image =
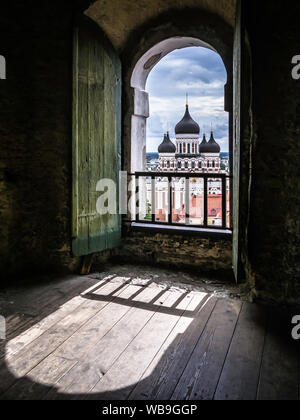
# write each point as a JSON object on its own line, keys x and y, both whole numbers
{"x": 239, "y": 38}
{"x": 96, "y": 137}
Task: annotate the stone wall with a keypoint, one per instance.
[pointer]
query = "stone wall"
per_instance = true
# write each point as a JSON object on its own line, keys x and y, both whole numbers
{"x": 36, "y": 142}
{"x": 35, "y": 132}
{"x": 274, "y": 231}
{"x": 200, "y": 254}
{"x": 122, "y": 18}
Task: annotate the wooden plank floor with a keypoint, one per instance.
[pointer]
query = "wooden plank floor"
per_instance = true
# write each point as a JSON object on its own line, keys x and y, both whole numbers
{"x": 120, "y": 337}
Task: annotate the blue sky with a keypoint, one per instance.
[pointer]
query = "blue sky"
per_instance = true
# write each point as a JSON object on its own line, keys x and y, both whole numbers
{"x": 199, "y": 72}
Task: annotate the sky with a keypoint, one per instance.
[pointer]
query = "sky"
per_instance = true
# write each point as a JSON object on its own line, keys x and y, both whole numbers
{"x": 199, "y": 72}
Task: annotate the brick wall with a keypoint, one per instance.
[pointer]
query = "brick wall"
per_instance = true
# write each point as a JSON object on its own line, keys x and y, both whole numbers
{"x": 202, "y": 254}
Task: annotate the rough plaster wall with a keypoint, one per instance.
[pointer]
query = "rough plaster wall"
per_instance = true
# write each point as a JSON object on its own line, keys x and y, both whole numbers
{"x": 274, "y": 251}
{"x": 35, "y": 133}
{"x": 119, "y": 18}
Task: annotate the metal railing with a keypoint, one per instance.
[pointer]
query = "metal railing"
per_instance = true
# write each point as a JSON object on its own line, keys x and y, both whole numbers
{"x": 170, "y": 177}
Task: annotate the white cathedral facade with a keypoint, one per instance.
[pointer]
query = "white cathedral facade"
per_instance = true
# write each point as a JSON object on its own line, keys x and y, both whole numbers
{"x": 188, "y": 154}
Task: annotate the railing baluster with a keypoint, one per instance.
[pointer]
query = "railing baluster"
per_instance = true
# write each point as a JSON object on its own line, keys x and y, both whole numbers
{"x": 170, "y": 199}
{"x": 224, "y": 203}
{"x": 205, "y": 202}
{"x": 187, "y": 176}
{"x": 153, "y": 209}
{"x": 187, "y": 201}
{"x": 137, "y": 189}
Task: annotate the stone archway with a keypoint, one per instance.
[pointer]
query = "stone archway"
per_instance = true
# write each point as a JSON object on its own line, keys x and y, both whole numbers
{"x": 138, "y": 81}
{"x": 215, "y": 32}
{"x": 150, "y": 43}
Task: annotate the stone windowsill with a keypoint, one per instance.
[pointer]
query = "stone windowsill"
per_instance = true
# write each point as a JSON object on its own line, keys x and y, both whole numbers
{"x": 183, "y": 230}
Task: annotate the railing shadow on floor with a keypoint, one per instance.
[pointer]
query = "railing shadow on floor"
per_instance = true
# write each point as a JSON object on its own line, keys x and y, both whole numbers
{"x": 36, "y": 390}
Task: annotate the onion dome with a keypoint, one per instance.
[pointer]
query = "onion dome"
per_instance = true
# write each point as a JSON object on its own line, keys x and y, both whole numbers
{"x": 203, "y": 145}
{"x": 212, "y": 145}
{"x": 187, "y": 125}
{"x": 167, "y": 146}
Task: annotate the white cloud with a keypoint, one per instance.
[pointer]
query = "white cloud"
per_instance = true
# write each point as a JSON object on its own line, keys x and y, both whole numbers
{"x": 199, "y": 72}
{"x": 199, "y": 85}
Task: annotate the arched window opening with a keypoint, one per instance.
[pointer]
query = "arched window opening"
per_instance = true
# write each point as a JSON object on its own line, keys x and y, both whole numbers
{"x": 160, "y": 99}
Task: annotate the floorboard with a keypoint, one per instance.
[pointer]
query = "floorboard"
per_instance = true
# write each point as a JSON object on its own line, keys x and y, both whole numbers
{"x": 122, "y": 335}
{"x": 107, "y": 347}
{"x": 48, "y": 371}
{"x": 279, "y": 378}
{"x": 80, "y": 343}
{"x": 162, "y": 376}
{"x": 129, "y": 368}
{"x": 44, "y": 314}
{"x": 200, "y": 378}
{"x": 240, "y": 375}
{"x": 31, "y": 355}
